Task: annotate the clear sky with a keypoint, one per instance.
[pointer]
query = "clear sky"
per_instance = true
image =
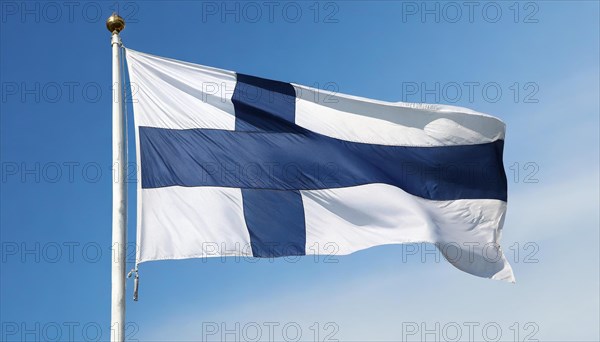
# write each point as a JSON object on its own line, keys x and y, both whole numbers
{"x": 535, "y": 65}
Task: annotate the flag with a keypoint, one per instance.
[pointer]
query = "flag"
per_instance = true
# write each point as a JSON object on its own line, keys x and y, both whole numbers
{"x": 233, "y": 164}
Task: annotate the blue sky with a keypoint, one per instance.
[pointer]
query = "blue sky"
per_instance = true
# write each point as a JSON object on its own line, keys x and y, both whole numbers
{"x": 535, "y": 65}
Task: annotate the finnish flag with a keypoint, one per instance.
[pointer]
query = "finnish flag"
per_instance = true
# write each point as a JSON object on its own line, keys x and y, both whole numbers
{"x": 233, "y": 164}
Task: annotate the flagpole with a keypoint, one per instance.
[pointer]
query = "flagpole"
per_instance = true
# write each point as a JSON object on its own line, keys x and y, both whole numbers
{"x": 116, "y": 24}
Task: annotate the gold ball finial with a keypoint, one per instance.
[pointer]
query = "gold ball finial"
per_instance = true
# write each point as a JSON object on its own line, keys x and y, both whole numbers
{"x": 115, "y": 23}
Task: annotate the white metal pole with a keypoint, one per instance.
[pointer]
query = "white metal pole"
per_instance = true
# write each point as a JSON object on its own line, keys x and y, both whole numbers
{"x": 119, "y": 190}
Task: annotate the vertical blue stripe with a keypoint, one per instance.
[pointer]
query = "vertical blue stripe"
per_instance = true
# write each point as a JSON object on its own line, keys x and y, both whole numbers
{"x": 263, "y": 105}
{"x": 275, "y": 218}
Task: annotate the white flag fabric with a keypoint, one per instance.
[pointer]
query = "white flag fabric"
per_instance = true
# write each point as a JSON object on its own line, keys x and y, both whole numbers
{"x": 233, "y": 164}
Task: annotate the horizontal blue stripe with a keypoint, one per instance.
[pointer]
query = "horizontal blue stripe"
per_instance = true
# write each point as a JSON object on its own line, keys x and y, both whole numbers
{"x": 304, "y": 160}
